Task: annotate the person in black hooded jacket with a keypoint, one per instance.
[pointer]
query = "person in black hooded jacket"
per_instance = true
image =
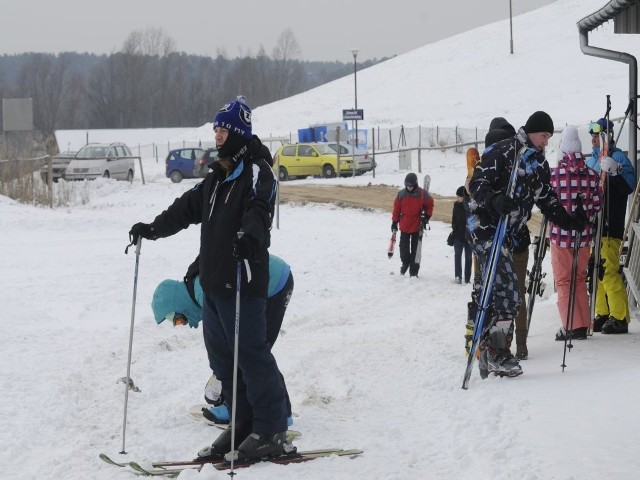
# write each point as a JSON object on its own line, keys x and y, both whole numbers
{"x": 234, "y": 205}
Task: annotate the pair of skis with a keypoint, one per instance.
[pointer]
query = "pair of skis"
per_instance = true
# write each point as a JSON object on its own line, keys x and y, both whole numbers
{"x": 426, "y": 183}
{"x": 535, "y": 285}
{"x": 174, "y": 468}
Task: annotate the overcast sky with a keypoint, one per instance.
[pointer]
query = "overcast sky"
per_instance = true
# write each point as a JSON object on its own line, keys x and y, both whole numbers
{"x": 325, "y": 29}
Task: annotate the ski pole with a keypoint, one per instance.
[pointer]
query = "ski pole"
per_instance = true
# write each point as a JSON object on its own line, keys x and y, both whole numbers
{"x": 627, "y": 113}
{"x": 572, "y": 285}
{"x": 236, "y": 342}
{"x": 128, "y": 381}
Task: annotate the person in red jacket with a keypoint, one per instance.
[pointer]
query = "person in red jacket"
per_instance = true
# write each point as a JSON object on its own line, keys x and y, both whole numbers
{"x": 412, "y": 210}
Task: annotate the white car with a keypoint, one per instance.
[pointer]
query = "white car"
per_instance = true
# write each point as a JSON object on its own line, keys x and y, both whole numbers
{"x": 363, "y": 159}
{"x": 108, "y": 160}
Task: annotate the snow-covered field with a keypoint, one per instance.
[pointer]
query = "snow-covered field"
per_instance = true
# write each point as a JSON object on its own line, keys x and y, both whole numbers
{"x": 372, "y": 360}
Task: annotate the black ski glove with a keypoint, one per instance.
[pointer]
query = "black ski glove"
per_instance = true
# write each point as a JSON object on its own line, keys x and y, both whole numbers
{"x": 425, "y": 220}
{"x": 144, "y": 230}
{"x": 242, "y": 247}
{"x": 394, "y": 226}
{"x": 501, "y": 204}
{"x": 576, "y": 222}
{"x": 193, "y": 270}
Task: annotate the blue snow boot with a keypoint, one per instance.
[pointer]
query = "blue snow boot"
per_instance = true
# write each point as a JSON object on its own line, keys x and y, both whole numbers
{"x": 219, "y": 414}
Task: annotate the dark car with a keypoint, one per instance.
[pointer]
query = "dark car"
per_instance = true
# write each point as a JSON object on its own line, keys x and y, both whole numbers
{"x": 180, "y": 163}
{"x": 206, "y": 158}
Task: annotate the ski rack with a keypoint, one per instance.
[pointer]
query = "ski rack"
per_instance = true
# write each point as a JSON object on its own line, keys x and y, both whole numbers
{"x": 630, "y": 259}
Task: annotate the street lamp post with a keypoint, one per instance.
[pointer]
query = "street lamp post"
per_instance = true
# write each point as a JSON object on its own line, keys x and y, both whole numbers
{"x": 511, "y": 26}
{"x": 355, "y": 51}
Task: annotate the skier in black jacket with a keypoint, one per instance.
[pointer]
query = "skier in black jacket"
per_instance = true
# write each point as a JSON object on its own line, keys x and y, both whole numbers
{"x": 238, "y": 195}
{"x": 489, "y": 202}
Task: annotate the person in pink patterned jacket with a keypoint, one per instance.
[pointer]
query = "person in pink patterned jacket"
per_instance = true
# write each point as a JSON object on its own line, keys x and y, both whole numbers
{"x": 572, "y": 177}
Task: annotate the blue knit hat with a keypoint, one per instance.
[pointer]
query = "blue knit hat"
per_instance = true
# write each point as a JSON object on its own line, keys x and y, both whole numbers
{"x": 235, "y": 116}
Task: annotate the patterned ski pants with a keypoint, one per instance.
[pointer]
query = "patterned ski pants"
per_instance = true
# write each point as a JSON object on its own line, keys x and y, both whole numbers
{"x": 505, "y": 297}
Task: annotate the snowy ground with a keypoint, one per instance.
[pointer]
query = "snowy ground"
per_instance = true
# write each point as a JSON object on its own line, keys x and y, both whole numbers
{"x": 372, "y": 360}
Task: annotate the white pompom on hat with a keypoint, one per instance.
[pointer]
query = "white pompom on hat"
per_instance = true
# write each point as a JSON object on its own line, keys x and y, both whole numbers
{"x": 570, "y": 141}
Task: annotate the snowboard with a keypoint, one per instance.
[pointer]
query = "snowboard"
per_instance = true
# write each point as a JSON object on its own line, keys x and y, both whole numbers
{"x": 426, "y": 183}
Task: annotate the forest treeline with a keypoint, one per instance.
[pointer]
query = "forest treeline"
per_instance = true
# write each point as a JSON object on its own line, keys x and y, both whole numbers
{"x": 147, "y": 84}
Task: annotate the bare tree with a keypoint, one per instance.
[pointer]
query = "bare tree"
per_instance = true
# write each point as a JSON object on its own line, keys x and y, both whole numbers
{"x": 43, "y": 79}
{"x": 102, "y": 93}
{"x": 286, "y": 77}
{"x": 150, "y": 41}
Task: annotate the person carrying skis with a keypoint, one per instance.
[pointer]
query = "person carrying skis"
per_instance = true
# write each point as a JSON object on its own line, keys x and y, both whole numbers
{"x": 234, "y": 205}
{"x": 181, "y": 303}
{"x": 612, "y": 302}
{"x": 459, "y": 236}
{"x": 499, "y": 129}
{"x": 412, "y": 209}
{"x": 490, "y": 201}
{"x": 569, "y": 179}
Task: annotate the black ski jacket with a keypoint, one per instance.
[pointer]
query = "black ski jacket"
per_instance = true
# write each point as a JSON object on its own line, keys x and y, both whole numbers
{"x": 225, "y": 203}
{"x": 491, "y": 177}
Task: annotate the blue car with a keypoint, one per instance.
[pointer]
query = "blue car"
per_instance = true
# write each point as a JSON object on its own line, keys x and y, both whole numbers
{"x": 180, "y": 163}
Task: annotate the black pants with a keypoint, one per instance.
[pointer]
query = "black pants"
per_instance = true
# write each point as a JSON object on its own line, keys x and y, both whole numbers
{"x": 276, "y": 308}
{"x": 408, "y": 245}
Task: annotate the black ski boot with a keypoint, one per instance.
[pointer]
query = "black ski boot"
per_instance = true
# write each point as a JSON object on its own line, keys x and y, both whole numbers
{"x": 258, "y": 446}
{"x": 222, "y": 444}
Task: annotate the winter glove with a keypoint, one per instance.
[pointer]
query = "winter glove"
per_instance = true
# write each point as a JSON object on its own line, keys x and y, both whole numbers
{"x": 501, "y": 204}
{"x": 242, "y": 247}
{"x": 576, "y": 221}
{"x": 425, "y": 221}
{"x": 394, "y": 227}
{"x": 143, "y": 230}
{"x": 193, "y": 270}
{"x": 610, "y": 166}
{"x": 522, "y": 240}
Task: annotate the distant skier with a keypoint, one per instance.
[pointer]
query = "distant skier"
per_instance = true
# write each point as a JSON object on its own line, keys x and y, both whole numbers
{"x": 570, "y": 178}
{"x": 412, "y": 210}
{"x": 460, "y": 242}
{"x": 489, "y": 202}
{"x": 181, "y": 303}
{"x": 612, "y": 301}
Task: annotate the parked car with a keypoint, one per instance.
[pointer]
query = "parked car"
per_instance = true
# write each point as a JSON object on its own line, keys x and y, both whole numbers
{"x": 206, "y": 158}
{"x": 108, "y": 160}
{"x": 59, "y": 164}
{"x": 363, "y": 159}
{"x": 180, "y": 163}
{"x": 304, "y": 159}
